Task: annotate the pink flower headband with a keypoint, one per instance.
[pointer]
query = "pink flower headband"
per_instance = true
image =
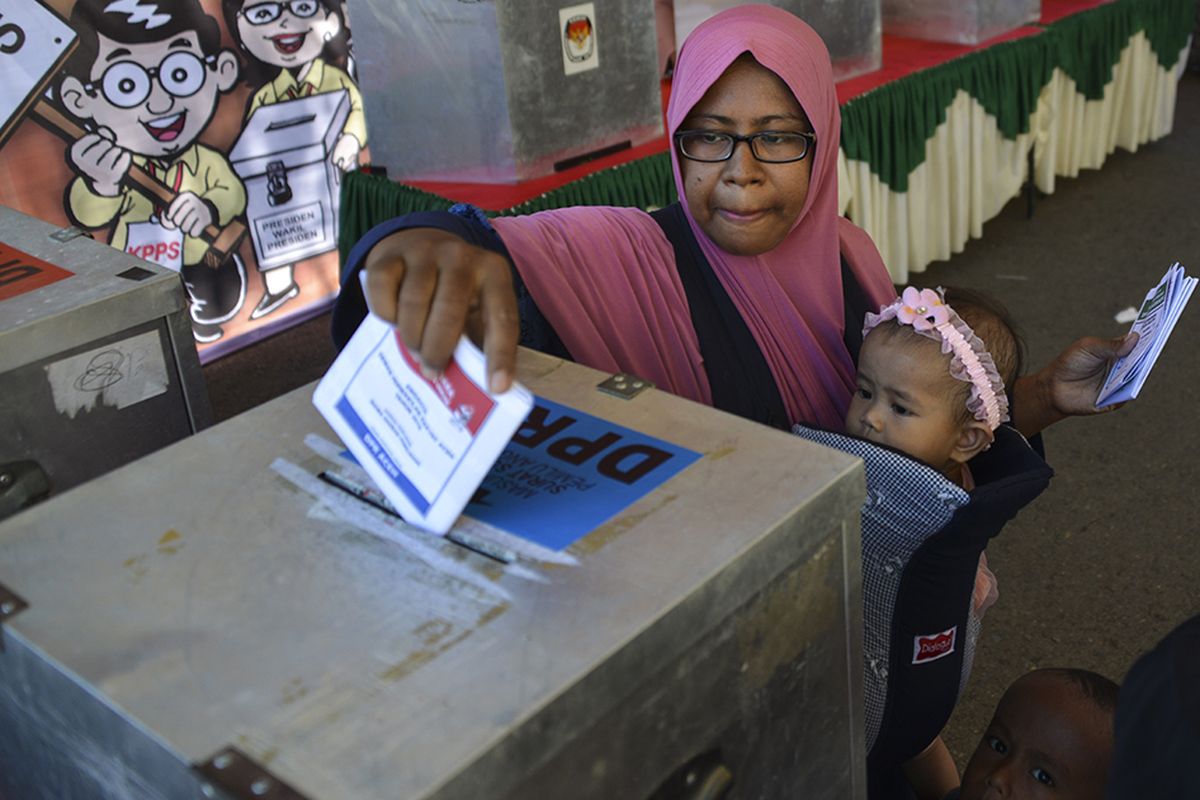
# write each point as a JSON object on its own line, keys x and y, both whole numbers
{"x": 970, "y": 361}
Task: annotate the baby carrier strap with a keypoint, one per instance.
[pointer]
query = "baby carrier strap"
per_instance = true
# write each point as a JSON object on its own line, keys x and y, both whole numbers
{"x": 737, "y": 371}
{"x": 738, "y": 374}
{"x": 932, "y": 612}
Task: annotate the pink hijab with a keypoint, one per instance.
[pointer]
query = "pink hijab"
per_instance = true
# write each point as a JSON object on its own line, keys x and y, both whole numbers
{"x": 605, "y": 278}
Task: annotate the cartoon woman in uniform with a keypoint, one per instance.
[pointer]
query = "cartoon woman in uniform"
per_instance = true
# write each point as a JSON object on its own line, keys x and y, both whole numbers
{"x": 294, "y": 48}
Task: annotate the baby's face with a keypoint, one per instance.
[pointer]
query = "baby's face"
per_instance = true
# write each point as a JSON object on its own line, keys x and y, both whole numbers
{"x": 1046, "y": 740}
{"x": 906, "y": 399}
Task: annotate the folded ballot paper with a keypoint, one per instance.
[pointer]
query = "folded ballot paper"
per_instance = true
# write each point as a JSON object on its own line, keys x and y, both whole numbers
{"x": 1157, "y": 316}
{"x": 427, "y": 444}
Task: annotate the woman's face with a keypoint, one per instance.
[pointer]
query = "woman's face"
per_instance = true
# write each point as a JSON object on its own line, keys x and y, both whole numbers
{"x": 744, "y": 205}
{"x": 286, "y": 34}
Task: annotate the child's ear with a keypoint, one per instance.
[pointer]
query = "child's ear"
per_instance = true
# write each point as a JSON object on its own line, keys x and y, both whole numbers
{"x": 74, "y": 97}
{"x": 974, "y": 438}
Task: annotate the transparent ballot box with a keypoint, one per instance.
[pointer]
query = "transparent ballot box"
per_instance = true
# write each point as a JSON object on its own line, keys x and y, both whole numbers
{"x": 97, "y": 362}
{"x": 850, "y": 28}
{"x": 219, "y": 616}
{"x": 959, "y": 21}
{"x": 504, "y": 91}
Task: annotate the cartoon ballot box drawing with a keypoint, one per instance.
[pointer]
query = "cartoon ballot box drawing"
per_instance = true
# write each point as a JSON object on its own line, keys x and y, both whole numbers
{"x": 283, "y": 157}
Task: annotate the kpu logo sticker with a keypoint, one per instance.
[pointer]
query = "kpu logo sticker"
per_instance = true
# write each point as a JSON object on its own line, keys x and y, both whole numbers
{"x": 934, "y": 646}
{"x": 577, "y": 25}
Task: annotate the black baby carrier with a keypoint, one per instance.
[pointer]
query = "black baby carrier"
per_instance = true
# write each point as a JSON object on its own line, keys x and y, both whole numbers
{"x": 921, "y": 540}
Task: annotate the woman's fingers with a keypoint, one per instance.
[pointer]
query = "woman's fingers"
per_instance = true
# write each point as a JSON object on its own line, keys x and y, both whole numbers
{"x": 501, "y": 326}
{"x": 430, "y": 284}
{"x": 449, "y": 298}
{"x": 1128, "y": 342}
{"x": 381, "y": 288}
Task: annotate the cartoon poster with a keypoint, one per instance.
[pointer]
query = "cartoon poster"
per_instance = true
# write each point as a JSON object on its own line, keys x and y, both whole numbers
{"x": 208, "y": 136}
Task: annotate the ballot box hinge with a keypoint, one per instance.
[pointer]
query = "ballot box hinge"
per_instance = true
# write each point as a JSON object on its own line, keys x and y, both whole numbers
{"x": 624, "y": 385}
{"x": 11, "y": 604}
{"x": 241, "y": 777}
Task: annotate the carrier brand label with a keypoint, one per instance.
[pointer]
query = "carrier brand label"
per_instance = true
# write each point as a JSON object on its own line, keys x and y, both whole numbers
{"x": 933, "y": 646}
{"x": 21, "y": 272}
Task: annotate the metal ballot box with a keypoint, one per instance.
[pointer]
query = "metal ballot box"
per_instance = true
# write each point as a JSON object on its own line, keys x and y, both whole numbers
{"x": 959, "y": 21}
{"x": 97, "y": 362}
{"x": 851, "y": 29}
{"x": 505, "y": 91}
{"x": 215, "y": 621}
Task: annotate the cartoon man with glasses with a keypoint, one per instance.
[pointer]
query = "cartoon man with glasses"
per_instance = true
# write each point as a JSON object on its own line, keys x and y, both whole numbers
{"x": 145, "y": 81}
{"x": 294, "y": 49}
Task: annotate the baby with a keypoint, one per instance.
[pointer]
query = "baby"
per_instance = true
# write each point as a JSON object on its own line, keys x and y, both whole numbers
{"x": 1051, "y": 736}
{"x": 927, "y": 384}
{"x": 929, "y": 387}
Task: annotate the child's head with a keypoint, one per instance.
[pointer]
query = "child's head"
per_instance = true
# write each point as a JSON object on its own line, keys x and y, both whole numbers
{"x": 1051, "y": 736}
{"x": 927, "y": 384}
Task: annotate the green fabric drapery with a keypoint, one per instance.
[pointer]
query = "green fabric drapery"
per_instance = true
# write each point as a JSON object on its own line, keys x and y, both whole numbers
{"x": 369, "y": 199}
{"x": 1088, "y": 45}
{"x": 645, "y": 183}
{"x": 887, "y": 128}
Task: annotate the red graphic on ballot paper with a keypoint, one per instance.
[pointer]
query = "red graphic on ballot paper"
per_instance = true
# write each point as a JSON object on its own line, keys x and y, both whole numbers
{"x": 469, "y": 403}
{"x": 21, "y": 272}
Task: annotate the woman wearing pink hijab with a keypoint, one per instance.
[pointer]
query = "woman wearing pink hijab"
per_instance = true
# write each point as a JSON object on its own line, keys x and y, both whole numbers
{"x": 748, "y": 295}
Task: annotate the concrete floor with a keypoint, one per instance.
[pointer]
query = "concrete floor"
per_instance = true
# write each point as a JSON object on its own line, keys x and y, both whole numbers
{"x": 1104, "y": 563}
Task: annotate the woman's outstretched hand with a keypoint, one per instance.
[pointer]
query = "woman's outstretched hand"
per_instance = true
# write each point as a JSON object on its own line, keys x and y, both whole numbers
{"x": 433, "y": 287}
{"x": 1069, "y": 385}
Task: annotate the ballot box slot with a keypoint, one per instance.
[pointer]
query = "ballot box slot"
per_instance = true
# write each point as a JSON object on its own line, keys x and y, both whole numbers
{"x": 241, "y": 777}
{"x": 592, "y": 155}
{"x": 374, "y": 498}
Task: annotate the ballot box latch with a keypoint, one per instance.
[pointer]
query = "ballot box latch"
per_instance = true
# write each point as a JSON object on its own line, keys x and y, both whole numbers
{"x": 69, "y": 233}
{"x": 241, "y": 777}
{"x": 704, "y": 777}
{"x": 624, "y": 385}
{"x": 11, "y": 604}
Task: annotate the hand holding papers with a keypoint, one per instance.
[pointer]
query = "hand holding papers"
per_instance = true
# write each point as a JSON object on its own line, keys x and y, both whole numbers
{"x": 426, "y": 444}
{"x": 1157, "y": 317}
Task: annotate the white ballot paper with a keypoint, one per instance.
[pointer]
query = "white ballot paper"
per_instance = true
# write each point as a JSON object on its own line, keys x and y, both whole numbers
{"x": 427, "y": 444}
{"x": 1155, "y": 320}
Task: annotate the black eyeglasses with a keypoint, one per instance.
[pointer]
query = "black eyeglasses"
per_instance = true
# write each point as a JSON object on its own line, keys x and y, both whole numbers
{"x": 772, "y": 147}
{"x": 262, "y": 13}
{"x": 126, "y": 84}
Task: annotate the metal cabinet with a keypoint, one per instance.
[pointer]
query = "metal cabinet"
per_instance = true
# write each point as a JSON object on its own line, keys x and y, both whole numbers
{"x": 207, "y": 618}
{"x": 505, "y": 91}
{"x": 97, "y": 362}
